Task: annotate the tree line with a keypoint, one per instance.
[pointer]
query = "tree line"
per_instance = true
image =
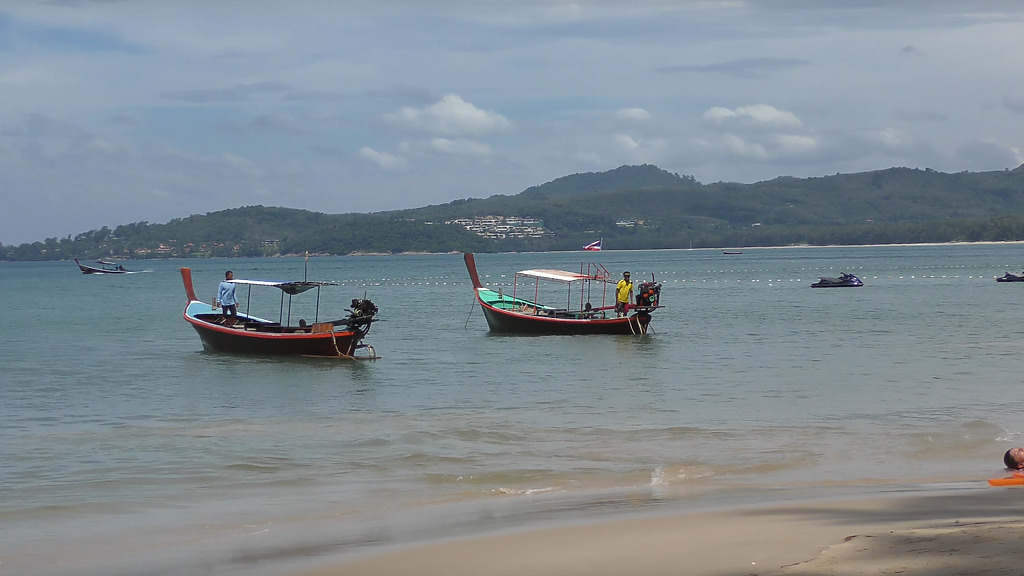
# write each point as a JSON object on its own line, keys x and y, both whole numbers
{"x": 631, "y": 207}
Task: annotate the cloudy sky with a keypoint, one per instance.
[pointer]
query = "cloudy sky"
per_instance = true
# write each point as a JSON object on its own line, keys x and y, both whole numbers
{"x": 114, "y": 112}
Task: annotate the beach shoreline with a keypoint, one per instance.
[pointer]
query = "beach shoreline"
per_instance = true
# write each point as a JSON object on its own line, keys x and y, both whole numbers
{"x": 940, "y": 531}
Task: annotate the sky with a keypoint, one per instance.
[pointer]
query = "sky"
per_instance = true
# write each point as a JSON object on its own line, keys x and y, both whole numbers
{"x": 121, "y": 111}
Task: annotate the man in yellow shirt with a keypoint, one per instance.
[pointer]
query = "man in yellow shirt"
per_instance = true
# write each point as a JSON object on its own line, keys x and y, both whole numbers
{"x": 623, "y": 295}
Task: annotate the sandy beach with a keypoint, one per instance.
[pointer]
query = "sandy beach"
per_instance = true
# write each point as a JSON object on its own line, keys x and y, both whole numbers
{"x": 937, "y": 533}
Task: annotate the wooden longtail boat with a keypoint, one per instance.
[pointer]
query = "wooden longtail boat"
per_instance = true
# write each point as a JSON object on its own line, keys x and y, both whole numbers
{"x": 515, "y": 314}
{"x": 103, "y": 268}
{"x": 252, "y": 335}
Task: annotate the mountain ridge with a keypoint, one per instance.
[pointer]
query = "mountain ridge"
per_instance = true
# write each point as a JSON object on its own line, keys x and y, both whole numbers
{"x": 631, "y": 207}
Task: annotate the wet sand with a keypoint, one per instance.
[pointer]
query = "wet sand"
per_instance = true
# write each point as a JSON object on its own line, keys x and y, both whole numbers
{"x": 967, "y": 531}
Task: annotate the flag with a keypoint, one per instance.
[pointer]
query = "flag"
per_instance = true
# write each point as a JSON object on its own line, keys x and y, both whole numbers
{"x": 595, "y": 246}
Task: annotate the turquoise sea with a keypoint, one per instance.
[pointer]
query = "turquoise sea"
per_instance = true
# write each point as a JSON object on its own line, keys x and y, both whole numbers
{"x": 128, "y": 450}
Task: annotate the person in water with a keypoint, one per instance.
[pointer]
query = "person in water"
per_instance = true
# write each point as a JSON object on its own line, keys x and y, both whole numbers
{"x": 1014, "y": 458}
{"x": 623, "y": 295}
{"x": 227, "y": 299}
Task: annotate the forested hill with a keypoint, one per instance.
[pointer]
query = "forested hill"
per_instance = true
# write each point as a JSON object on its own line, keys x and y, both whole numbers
{"x": 622, "y": 178}
{"x": 631, "y": 207}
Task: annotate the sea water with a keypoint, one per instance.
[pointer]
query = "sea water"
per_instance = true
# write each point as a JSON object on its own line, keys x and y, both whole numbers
{"x": 127, "y": 449}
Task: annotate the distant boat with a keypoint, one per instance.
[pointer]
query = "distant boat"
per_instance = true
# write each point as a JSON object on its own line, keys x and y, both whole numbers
{"x": 252, "y": 335}
{"x": 513, "y": 314}
{"x": 103, "y": 268}
{"x": 731, "y": 252}
{"x": 1010, "y": 278}
{"x": 843, "y": 281}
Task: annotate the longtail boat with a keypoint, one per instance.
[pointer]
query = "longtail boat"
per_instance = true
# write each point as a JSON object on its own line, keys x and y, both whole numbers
{"x": 249, "y": 334}
{"x": 589, "y": 307}
{"x": 103, "y": 268}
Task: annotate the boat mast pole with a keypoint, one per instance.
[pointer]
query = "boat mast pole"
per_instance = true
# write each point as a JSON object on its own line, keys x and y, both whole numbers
{"x": 582, "y": 287}
{"x": 316, "y": 315}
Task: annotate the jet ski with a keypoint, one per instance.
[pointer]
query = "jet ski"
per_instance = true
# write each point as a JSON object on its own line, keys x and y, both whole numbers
{"x": 843, "y": 281}
{"x": 1010, "y": 278}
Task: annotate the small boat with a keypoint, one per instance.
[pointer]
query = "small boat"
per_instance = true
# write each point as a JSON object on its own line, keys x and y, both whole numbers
{"x": 843, "y": 281}
{"x": 1010, "y": 278}
{"x": 514, "y": 314}
{"x": 731, "y": 252}
{"x": 103, "y": 268}
{"x": 253, "y": 335}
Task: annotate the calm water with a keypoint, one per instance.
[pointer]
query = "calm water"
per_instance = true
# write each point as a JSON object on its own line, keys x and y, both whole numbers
{"x": 126, "y": 449}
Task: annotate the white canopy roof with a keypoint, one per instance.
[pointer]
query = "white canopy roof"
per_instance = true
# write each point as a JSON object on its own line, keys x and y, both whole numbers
{"x": 296, "y": 287}
{"x": 558, "y": 275}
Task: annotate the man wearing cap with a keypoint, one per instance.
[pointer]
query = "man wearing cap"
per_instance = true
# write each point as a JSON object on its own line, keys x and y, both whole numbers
{"x": 623, "y": 295}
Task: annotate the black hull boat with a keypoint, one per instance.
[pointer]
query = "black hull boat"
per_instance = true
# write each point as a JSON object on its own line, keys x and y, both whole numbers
{"x": 1010, "y": 278}
{"x": 252, "y": 335}
{"x": 512, "y": 314}
{"x": 843, "y": 281}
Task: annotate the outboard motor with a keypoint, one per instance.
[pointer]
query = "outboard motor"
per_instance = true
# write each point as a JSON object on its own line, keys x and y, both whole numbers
{"x": 363, "y": 307}
{"x": 648, "y": 293}
{"x": 362, "y": 312}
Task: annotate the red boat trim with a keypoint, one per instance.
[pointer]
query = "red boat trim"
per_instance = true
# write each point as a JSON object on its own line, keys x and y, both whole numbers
{"x": 473, "y": 275}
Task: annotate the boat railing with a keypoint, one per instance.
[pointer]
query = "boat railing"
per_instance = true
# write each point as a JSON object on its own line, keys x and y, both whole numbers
{"x": 507, "y": 303}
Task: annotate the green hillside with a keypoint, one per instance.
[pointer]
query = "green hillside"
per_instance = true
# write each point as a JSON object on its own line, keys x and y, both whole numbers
{"x": 623, "y": 178}
{"x": 631, "y": 207}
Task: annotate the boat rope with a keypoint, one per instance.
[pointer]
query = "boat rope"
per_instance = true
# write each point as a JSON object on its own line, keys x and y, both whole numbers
{"x": 639, "y": 326}
{"x": 334, "y": 341}
{"x": 472, "y": 307}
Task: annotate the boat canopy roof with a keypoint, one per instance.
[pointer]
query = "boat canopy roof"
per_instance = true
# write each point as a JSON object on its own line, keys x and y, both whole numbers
{"x": 558, "y": 275}
{"x": 291, "y": 288}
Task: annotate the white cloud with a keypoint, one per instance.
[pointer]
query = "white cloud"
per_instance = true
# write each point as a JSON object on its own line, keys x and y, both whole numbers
{"x": 382, "y": 159}
{"x": 754, "y": 116}
{"x": 795, "y": 143}
{"x": 744, "y": 149}
{"x": 441, "y": 147}
{"x": 240, "y": 164}
{"x": 460, "y": 147}
{"x": 96, "y": 94}
{"x": 626, "y": 142}
{"x": 888, "y": 137}
{"x": 451, "y": 116}
{"x": 634, "y": 150}
{"x": 634, "y": 114}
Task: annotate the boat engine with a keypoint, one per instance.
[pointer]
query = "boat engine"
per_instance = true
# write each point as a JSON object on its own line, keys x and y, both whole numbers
{"x": 362, "y": 312}
{"x": 648, "y": 294}
{"x": 363, "y": 307}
